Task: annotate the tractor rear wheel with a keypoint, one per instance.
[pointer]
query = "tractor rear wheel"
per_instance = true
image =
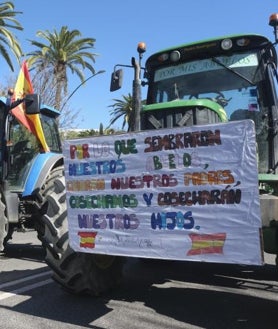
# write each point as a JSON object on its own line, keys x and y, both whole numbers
{"x": 78, "y": 273}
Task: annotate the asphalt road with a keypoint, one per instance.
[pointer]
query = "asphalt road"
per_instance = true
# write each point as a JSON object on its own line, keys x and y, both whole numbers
{"x": 154, "y": 294}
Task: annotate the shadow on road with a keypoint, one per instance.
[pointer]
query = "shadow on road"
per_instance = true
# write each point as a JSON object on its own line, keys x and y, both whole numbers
{"x": 24, "y": 251}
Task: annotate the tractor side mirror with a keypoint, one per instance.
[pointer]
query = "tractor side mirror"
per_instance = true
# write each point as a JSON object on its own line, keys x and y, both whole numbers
{"x": 116, "y": 80}
{"x": 32, "y": 104}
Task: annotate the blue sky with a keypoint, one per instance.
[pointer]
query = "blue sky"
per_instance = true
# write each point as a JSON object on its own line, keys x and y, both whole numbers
{"x": 118, "y": 26}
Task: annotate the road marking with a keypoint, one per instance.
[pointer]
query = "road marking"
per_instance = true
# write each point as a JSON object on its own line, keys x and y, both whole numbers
{"x": 27, "y": 278}
{"x": 5, "y": 295}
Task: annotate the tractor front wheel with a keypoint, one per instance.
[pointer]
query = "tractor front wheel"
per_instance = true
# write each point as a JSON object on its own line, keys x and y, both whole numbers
{"x": 78, "y": 273}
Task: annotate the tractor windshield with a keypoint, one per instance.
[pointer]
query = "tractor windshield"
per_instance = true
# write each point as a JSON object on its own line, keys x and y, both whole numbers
{"x": 237, "y": 83}
{"x": 232, "y": 81}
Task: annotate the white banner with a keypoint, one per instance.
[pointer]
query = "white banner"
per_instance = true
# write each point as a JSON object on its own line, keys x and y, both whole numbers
{"x": 187, "y": 193}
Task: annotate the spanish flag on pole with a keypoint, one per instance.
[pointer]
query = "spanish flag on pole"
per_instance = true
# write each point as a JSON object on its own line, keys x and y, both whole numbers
{"x": 31, "y": 121}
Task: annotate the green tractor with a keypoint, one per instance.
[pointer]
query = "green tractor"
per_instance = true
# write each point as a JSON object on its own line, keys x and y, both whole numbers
{"x": 212, "y": 81}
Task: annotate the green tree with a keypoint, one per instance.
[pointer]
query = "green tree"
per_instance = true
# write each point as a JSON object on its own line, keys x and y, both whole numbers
{"x": 62, "y": 51}
{"x": 122, "y": 108}
{"x": 87, "y": 133}
{"x": 8, "y": 41}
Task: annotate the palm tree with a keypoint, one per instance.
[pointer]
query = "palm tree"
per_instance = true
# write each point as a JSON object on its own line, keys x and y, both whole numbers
{"x": 63, "y": 50}
{"x": 7, "y": 38}
{"x": 122, "y": 108}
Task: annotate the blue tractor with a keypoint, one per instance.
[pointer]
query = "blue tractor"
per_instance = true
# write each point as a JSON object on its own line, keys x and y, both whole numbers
{"x": 27, "y": 174}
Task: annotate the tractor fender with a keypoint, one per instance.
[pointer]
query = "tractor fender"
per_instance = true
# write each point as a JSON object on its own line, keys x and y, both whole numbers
{"x": 41, "y": 167}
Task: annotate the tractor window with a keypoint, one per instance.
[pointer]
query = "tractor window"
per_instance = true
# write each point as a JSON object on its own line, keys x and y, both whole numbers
{"x": 22, "y": 148}
{"x": 51, "y": 133}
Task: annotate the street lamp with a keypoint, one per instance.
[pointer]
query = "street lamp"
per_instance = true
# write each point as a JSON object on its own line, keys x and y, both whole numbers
{"x": 136, "y": 87}
{"x": 82, "y": 83}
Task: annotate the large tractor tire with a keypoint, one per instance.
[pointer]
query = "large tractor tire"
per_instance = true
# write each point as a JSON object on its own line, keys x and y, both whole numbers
{"x": 78, "y": 273}
{"x": 3, "y": 226}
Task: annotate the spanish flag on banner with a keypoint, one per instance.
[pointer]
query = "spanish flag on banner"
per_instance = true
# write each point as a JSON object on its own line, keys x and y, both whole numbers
{"x": 207, "y": 244}
{"x": 31, "y": 121}
{"x": 87, "y": 239}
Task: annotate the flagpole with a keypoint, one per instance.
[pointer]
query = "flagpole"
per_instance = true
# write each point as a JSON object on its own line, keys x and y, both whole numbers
{"x": 82, "y": 83}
